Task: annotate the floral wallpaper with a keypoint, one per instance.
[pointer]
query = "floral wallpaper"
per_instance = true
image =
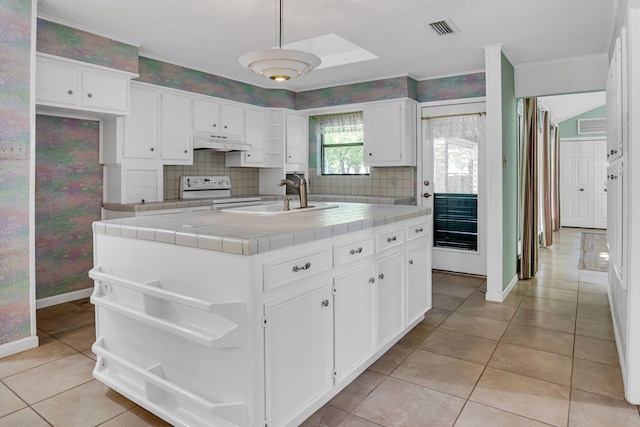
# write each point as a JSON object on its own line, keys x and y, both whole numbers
{"x": 68, "y": 200}
{"x": 15, "y": 75}
{"x": 454, "y": 87}
{"x": 60, "y": 40}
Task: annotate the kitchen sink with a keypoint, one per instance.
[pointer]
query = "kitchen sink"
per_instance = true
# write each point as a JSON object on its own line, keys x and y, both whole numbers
{"x": 278, "y": 208}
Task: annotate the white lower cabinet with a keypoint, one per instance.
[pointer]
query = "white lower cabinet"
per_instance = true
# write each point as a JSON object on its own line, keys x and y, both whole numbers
{"x": 354, "y": 308}
{"x": 390, "y": 297}
{"x": 418, "y": 281}
{"x": 220, "y": 339}
{"x": 298, "y": 352}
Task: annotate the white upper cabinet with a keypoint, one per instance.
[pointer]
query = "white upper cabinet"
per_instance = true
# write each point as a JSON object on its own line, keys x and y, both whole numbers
{"x": 140, "y": 126}
{"x": 297, "y": 141}
{"x": 390, "y": 133}
{"x": 218, "y": 119}
{"x": 72, "y": 85}
{"x": 254, "y": 135}
{"x": 175, "y": 129}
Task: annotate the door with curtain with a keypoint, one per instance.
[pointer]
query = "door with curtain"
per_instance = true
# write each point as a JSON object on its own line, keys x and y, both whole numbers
{"x": 452, "y": 184}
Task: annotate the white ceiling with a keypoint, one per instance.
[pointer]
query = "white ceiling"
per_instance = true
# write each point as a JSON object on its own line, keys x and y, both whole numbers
{"x": 210, "y": 35}
{"x": 563, "y": 107}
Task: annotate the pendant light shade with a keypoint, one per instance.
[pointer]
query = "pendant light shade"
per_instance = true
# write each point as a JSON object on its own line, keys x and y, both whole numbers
{"x": 279, "y": 64}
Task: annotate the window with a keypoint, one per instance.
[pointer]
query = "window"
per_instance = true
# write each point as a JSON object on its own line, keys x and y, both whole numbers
{"x": 341, "y": 139}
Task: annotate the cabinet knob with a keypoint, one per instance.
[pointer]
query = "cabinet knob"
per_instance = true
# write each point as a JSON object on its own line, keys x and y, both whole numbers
{"x": 372, "y": 280}
{"x": 70, "y": 92}
{"x": 419, "y": 230}
{"x": 325, "y": 303}
{"x": 370, "y": 154}
{"x": 186, "y": 151}
{"x": 248, "y": 155}
{"x": 153, "y": 149}
{"x": 411, "y": 261}
{"x": 381, "y": 276}
{"x": 214, "y": 125}
{"x": 89, "y": 95}
{"x": 426, "y": 195}
{"x": 225, "y": 126}
{"x": 426, "y": 183}
{"x": 580, "y": 189}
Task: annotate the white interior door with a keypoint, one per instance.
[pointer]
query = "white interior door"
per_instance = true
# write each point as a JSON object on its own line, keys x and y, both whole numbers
{"x": 451, "y": 258}
{"x": 600, "y": 184}
{"x": 583, "y": 183}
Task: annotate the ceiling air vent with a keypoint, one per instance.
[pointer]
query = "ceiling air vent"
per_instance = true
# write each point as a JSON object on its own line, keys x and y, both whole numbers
{"x": 587, "y": 126}
{"x": 443, "y": 27}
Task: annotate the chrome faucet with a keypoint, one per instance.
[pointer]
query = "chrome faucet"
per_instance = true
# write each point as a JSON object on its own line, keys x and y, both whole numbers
{"x": 301, "y": 188}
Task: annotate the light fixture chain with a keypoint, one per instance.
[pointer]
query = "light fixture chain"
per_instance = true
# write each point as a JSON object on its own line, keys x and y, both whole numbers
{"x": 280, "y": 38}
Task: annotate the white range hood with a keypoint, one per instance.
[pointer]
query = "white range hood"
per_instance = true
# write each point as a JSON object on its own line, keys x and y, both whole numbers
{"x": 206, "y": 141}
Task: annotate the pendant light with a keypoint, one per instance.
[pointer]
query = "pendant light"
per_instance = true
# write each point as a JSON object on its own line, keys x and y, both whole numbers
{"x": 279, "y": 64}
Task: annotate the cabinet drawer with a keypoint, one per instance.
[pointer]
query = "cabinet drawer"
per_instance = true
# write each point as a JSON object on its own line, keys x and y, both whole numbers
{"x": 389, "y": 240}
{"x": 352, "y": 251}
{"x": 280, "y": 272}
{"x": 418, "y": 230}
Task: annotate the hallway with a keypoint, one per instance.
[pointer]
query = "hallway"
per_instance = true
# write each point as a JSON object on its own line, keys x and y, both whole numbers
{"x": 544, "y": 357}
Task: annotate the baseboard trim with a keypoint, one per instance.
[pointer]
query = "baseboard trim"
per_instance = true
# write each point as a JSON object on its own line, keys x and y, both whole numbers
{"x": 18, "y": 346}
{"x": 501, "y": 296}
{"x": 62, "y": 298}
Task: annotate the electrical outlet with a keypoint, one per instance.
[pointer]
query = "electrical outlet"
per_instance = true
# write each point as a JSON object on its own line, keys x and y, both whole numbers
{"x": 13, "y": 150}
{"x": 394, "y": 181}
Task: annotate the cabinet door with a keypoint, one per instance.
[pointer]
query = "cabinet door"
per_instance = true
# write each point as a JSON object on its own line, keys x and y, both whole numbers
{"x": 143, "y": 185}
{"x": 254, "y": 135}
{"x": 390, "y": 299}
{"x": 383, "y": 134}
{"x": 205, "y": 116}
{"x": 140, "y": 126}
{"x": 175, "y": 129}
{"x": 232, "y": 119}
{"x": 298, "y": 353}
{"x": 56, "y": 83}
{"x": 418, "y": 281}
{"x": 296, "y": 140}
{"x": 354, "y": 308}
{"x": 104, "y": 92}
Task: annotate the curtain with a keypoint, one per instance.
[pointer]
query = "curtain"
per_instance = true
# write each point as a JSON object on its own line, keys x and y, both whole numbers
{"x": 464, "y": 126}
{"x": 556, "y": 179}
{"x": 339, "y": 123}
{"x": 547, "y": 224}
{"x": 529, "y": 191}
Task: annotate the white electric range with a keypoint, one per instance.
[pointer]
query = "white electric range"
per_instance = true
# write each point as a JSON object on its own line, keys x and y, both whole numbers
{"x": 216, "y": 188}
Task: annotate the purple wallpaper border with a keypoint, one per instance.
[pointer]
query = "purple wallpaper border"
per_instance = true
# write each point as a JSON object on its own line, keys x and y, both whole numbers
{"x": 60, "y": 40}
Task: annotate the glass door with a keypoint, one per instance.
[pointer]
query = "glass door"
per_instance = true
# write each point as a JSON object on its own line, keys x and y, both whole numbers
{"x": 453, "y": 142}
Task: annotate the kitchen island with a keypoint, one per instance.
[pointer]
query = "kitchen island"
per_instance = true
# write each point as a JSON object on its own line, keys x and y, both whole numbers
{"x": 233, "y": 319}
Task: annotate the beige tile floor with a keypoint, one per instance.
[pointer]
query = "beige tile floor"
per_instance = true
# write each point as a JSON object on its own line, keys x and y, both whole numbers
{"x": 546, "y": 356}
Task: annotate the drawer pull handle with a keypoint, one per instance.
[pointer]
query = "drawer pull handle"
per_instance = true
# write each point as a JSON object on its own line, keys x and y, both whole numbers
{"x": 356, "y": 251}
{"x": 372, "y": 280}
{"x": 419, "y": 230}
{"x": 391, "y": 239}
{"x": 304, "y": 267}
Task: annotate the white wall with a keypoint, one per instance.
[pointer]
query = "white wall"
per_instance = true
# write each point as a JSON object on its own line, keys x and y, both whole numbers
{"x": 573, "y": 75}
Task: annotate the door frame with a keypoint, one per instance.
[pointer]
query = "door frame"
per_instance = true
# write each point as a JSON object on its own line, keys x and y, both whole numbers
{"x": 454, "y": 258}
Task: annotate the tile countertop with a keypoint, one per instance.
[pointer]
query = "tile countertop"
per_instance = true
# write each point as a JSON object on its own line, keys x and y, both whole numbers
{"x": 247, "y": 234}
{"x": 181, "y": 203}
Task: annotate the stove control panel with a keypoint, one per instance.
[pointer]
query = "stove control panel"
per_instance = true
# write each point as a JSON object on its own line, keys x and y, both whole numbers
{"x": 204, "y": 183}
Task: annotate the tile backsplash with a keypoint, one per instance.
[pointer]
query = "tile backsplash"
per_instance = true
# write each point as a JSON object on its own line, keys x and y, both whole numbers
{"x": 243, "y": 180}
{"x": 393, "y": 182}
{"x": 390, "y": 182}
